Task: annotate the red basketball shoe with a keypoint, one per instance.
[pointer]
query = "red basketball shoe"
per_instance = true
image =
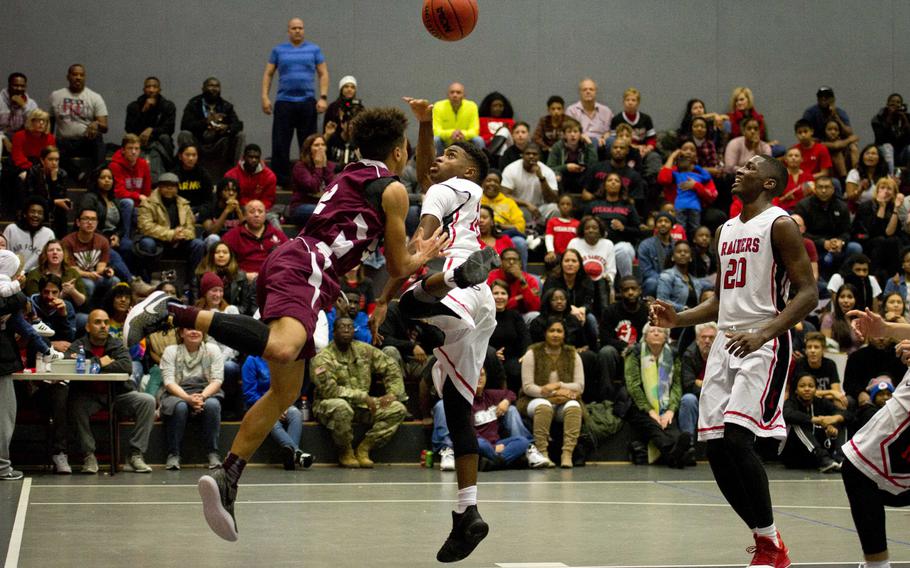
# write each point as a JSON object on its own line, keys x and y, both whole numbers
{"x": 766, "y": 554}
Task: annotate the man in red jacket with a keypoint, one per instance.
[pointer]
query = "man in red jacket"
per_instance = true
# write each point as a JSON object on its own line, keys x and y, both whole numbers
{"x": 256, "y": 180}
{"x": 253, "y": 240}
{"x": 132, "y": 178}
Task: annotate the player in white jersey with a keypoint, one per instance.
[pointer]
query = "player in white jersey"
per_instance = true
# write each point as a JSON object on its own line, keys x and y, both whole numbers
{"x": 761, "y": 256}
{"x": 467, "y": 317}
{"x": 876, "y": 470}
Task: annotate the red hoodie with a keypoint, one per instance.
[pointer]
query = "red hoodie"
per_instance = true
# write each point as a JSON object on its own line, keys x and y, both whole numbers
{"x": 259, "y": 185}
{"x": 130, "y": 181}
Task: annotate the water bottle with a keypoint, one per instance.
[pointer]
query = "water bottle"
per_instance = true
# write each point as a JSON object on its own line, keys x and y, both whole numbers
{"x": 80, "y": 361}
{"x": 304, "y": 409}
{"x": 95, "y": 368}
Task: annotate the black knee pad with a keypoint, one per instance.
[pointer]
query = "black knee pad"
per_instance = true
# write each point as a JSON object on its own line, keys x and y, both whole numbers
{"x": 243, "y": 333}
{"x": 412, "y": 308}
{"x": 459, "y": 420}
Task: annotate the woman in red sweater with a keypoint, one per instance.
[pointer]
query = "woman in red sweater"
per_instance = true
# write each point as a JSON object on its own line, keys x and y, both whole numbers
{"x": 311, "y": 175}
{"x": 28, "y": 142}
{"x": 490, "y": 235}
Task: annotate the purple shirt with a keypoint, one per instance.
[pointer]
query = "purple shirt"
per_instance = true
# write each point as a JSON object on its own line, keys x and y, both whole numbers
{"x": 592, "y": 127}
{"x": 348, "y": 225}
{"x": 489, "y": 429}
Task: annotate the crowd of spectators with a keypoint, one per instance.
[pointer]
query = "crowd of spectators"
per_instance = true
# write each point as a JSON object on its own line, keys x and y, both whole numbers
{"x": 594, "y": 214}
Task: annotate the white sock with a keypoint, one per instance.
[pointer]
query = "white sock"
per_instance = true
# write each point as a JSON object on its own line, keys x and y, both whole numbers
{"x": 879, "y": 564}
{"x": 768, "y": 532}
{"x": 449, "y": 277}
{"x": 466, "y": 498}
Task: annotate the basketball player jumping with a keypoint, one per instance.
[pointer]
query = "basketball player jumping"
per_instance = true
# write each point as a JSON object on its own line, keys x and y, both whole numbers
{"x": 876, "y": 470}
{"x": 761, "y": 255}
{"x": 466, "y": 315}
{"x": 365, "y": 205}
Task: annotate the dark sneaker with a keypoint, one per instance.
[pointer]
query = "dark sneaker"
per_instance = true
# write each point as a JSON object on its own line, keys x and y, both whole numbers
{"x": 146, "y": 317}
{"x": 468, "y": 529}
{"x": 477, "y": 267}
{"x": 828, "y": 465}
{"x": 290, "y": 463}
{"x": 218, "y": 504}
{"x": 303, "y": 459}
{"x": 680, "y": 449}
{"x": 11, "y": 475}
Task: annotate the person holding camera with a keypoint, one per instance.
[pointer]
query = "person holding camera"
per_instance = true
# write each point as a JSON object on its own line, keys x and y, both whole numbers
{"x": 343, "y": 108}
{"x": 211, "y": 122}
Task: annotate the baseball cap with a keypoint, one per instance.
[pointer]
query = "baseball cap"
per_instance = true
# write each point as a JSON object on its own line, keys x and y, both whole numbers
{"x": 168, "y": 178}
{"x": 824, "y": 91}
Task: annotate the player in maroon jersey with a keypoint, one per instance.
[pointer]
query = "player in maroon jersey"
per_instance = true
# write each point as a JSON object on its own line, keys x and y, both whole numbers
{"x": 364, "y": 206}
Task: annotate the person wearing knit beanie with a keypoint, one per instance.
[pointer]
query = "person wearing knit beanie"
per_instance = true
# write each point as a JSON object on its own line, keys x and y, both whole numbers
{"x": 208, "y": 281}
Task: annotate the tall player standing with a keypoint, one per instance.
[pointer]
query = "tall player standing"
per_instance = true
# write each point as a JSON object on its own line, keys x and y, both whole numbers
{"x": 465, "y": 315}
{"x": 876, "y": 470}
{"x": 761, "y": 256}
{"x": 364, "y": 206}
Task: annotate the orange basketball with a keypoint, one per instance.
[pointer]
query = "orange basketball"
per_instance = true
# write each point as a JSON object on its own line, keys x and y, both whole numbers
{"x": 450, "y": 20}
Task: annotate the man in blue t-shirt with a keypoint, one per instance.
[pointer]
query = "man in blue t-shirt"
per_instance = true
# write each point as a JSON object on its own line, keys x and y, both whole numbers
{"x": 296, "y": 104}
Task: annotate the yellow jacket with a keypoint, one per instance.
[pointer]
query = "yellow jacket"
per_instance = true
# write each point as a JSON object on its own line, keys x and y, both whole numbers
{"x": 506, "y": 211}
{"x": 446, "y": 121}
{"x": 154, "y": 222}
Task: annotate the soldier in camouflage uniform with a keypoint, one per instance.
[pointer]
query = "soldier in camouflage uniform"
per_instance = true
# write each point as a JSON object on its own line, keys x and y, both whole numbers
{"x": 342, "y": 374}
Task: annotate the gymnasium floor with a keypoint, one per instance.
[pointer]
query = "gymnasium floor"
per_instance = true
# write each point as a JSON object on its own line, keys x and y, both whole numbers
{"x": 397, "y": 516}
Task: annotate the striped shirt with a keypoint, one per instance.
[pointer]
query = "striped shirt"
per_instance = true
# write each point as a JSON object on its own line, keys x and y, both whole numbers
{"x": 296, "y": 69}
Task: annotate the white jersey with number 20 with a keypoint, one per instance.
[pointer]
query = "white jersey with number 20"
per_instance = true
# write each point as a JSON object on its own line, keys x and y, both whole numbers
{"x": 753, "y": 286}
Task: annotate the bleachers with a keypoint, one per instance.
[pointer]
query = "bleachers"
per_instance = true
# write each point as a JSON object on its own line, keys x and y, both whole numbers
{"x": 29, "y": 446}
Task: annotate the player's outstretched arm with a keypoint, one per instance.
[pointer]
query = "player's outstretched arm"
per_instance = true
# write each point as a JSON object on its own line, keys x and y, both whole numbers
{"x": 406, "y": 257}
{"x": 426, "y": 148}
{"x": 868, "y": 324}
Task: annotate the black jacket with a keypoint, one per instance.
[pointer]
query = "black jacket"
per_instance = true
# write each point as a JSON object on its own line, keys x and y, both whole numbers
{"x": 161, "y": 118}
{"x": 10, "y": 360}
{"x": 194, "y": 118}
{"x": 825, "y": 220}
{"x": 867, "y": 363}
{"x": 113, "y": 348}
{"x": 693, "y": 368}
{"x": 36, "y": 183}
{"x": 238, "y": 292}
{"x": 396, "y": 332}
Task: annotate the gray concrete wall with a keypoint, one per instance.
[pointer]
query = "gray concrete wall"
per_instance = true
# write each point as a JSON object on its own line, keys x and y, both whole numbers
{"x": 527, "y": 49}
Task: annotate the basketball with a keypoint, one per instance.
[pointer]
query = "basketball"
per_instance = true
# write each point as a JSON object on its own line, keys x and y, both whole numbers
{"x": 450, "y": 20}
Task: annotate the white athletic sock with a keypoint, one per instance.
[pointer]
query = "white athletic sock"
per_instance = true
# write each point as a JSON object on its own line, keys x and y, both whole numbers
{"x": 768, "y": 532}
{"x": 449, "y": 277}
{"x": 879, "y": 564}
{"x": 466, "y": 498}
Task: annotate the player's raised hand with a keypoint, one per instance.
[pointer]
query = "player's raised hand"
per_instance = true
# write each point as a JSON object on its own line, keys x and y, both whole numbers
{"x": 422, "y": 108}
{"x": 866, "y": 324}
{"x": 376, "y": 319}
{"x": 428, "y": 249}
{"x": 902, "y": 350}
{"x": 662, "y": 314}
